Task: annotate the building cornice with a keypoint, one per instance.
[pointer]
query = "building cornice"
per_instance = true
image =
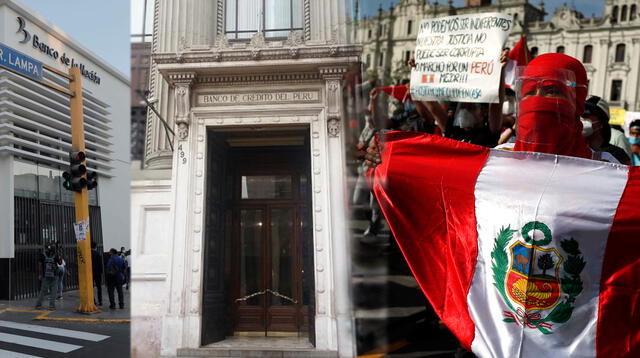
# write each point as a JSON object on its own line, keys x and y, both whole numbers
{"x": 265, "y": 54}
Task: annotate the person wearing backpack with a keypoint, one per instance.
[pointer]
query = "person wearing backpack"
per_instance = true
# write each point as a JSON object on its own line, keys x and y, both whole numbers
{"x": 47, "y": 274}
{"x": 115, "y": 277}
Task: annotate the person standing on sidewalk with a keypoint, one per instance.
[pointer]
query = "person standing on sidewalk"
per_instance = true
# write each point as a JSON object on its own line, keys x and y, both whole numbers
{"x": 97, "y": 268}
{"x": 115, "y": 277}
{"x": 61, "y": 270}
{"x": 47, "y": 268}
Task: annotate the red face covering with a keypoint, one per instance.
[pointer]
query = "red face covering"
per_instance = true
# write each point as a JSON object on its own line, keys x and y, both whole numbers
{"x": 548, "y": 124}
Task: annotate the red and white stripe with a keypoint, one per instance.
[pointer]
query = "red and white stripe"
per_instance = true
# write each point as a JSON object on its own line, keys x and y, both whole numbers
{"x": 446, "y": 201}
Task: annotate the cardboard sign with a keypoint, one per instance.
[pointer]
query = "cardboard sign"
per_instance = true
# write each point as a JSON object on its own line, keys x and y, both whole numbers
{"x": 458, "y": 58}
{"x": 81, "y": 229}
{"x": 617, "y": 116}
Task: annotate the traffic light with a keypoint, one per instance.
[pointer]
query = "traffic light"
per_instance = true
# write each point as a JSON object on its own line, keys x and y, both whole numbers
{"x": 92, "y": 180}
{"x": 74, "y": 178}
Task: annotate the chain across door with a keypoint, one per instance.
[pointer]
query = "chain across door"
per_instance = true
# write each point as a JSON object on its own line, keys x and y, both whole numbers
{"x": 269, "y": 266}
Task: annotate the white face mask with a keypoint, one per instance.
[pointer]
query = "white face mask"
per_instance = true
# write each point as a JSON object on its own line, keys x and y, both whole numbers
{"x": 465, "y": 118}
{"x": 509, "y": 107}
{"x": 587, "y": 127}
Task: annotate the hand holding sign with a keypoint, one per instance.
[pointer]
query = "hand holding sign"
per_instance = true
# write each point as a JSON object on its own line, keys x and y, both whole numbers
{"x": 458, "y": 58}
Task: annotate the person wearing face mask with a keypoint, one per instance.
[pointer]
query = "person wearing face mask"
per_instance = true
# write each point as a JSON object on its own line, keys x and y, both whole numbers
{"x": 634, "y": 140}
{"x": 508, "y": 134}
{"x": 597, "y": 131}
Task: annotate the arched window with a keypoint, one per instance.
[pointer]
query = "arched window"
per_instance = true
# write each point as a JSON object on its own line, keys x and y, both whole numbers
{"x": 588, "y": 52}
{"x": 620, "y": 52}
{"x": 614, "y": 14}
{"x": 534, "y": 52}
{"x": 633, "y": 13}
{"x": 623, "y": 14}
{"x": 515, "y": 17}
{"x": 409, "y": 27}
{"x": 560, "y": 49}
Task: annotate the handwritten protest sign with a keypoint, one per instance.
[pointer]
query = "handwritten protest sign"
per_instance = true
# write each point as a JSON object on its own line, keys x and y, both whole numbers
{"x": 458, "y": 58}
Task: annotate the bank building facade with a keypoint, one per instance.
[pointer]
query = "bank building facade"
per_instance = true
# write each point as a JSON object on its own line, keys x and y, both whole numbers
{"x": 238, "y": 215}
{"x": 35, "y": 141}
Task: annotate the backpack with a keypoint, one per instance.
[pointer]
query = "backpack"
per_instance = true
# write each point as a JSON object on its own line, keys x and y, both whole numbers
{"x": 49, "y": 266}
{"x": 112, "y": 269}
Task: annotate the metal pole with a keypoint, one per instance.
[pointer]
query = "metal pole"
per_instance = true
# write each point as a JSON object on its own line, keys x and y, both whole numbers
{"x": 85, "y": 273}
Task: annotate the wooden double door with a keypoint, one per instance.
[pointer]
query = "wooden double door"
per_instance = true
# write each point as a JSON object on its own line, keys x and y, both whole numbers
{"x": 258, "y": 277}
{"x": 269, "y": 228}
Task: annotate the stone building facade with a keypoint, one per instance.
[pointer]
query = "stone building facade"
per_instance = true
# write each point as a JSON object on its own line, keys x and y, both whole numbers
{"x": 238, "y": 217}
{"x": 608, "y": 44}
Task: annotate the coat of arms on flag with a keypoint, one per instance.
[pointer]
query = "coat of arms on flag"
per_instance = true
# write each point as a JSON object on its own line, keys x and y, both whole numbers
{"x": 527, "y": 276}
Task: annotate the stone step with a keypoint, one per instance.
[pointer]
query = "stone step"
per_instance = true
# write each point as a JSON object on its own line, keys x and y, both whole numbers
{"x": 256, "y": 352}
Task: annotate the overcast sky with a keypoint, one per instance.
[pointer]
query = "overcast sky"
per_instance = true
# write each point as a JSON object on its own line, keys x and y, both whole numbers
{"x": 370, "y": 7}
{"x": 101, "y": 26}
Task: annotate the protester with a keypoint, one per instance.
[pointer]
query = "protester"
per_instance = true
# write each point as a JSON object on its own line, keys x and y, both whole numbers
{"x": 508, "y": 134}
{"x": 128, "y": 272}
{"x": 634, "y": 140}
{"x": 597, "y": 131}
{"x": 477, "y": 123}
{"x": 97, "y": 268}
{"x": 115, "y": 277}
{"x": 619, "y": 139}
{"x": 60, "y": 273}
{"x": 47, "y": 268}
{"x": 551, "y": 94}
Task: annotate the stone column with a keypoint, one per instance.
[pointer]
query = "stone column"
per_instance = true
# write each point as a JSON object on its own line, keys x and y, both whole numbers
{"x": 174, "y": 335}
{"x": 179, "y": 26}
{"x": 605, "y": 44}
{"x": 341, "y": 251}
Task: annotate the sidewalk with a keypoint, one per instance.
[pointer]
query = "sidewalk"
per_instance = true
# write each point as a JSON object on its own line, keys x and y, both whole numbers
{"x": 66, "y": 309}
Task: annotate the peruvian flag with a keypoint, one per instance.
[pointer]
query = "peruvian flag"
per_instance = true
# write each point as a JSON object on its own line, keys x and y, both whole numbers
{"x": 398, "y": 92}
{"x": 520, "y": 254}
{"x": 518, "y": 56}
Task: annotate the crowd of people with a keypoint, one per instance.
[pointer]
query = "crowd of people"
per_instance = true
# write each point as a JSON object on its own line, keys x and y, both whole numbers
{"x": 51, "y": 272}
{"x": 545, "y": 110}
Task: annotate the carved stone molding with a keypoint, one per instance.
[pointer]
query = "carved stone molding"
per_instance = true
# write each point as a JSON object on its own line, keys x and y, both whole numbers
{"x": 222, "y": 43}
{"x": 336, "y": 72}
{"x": 333, "y": 126}
{"x": 182, "y": 81}
{"x": 294, "y": 39}
{"x": 258, "y": 40}
{"x": 618, "y": 66}
{"x": 267, "y": 78}
{"x": 243, "y": 52}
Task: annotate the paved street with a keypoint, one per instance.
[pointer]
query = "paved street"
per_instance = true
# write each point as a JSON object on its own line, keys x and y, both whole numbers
{"x": 26, "y": 333}
{"x": 393, "y": 318}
